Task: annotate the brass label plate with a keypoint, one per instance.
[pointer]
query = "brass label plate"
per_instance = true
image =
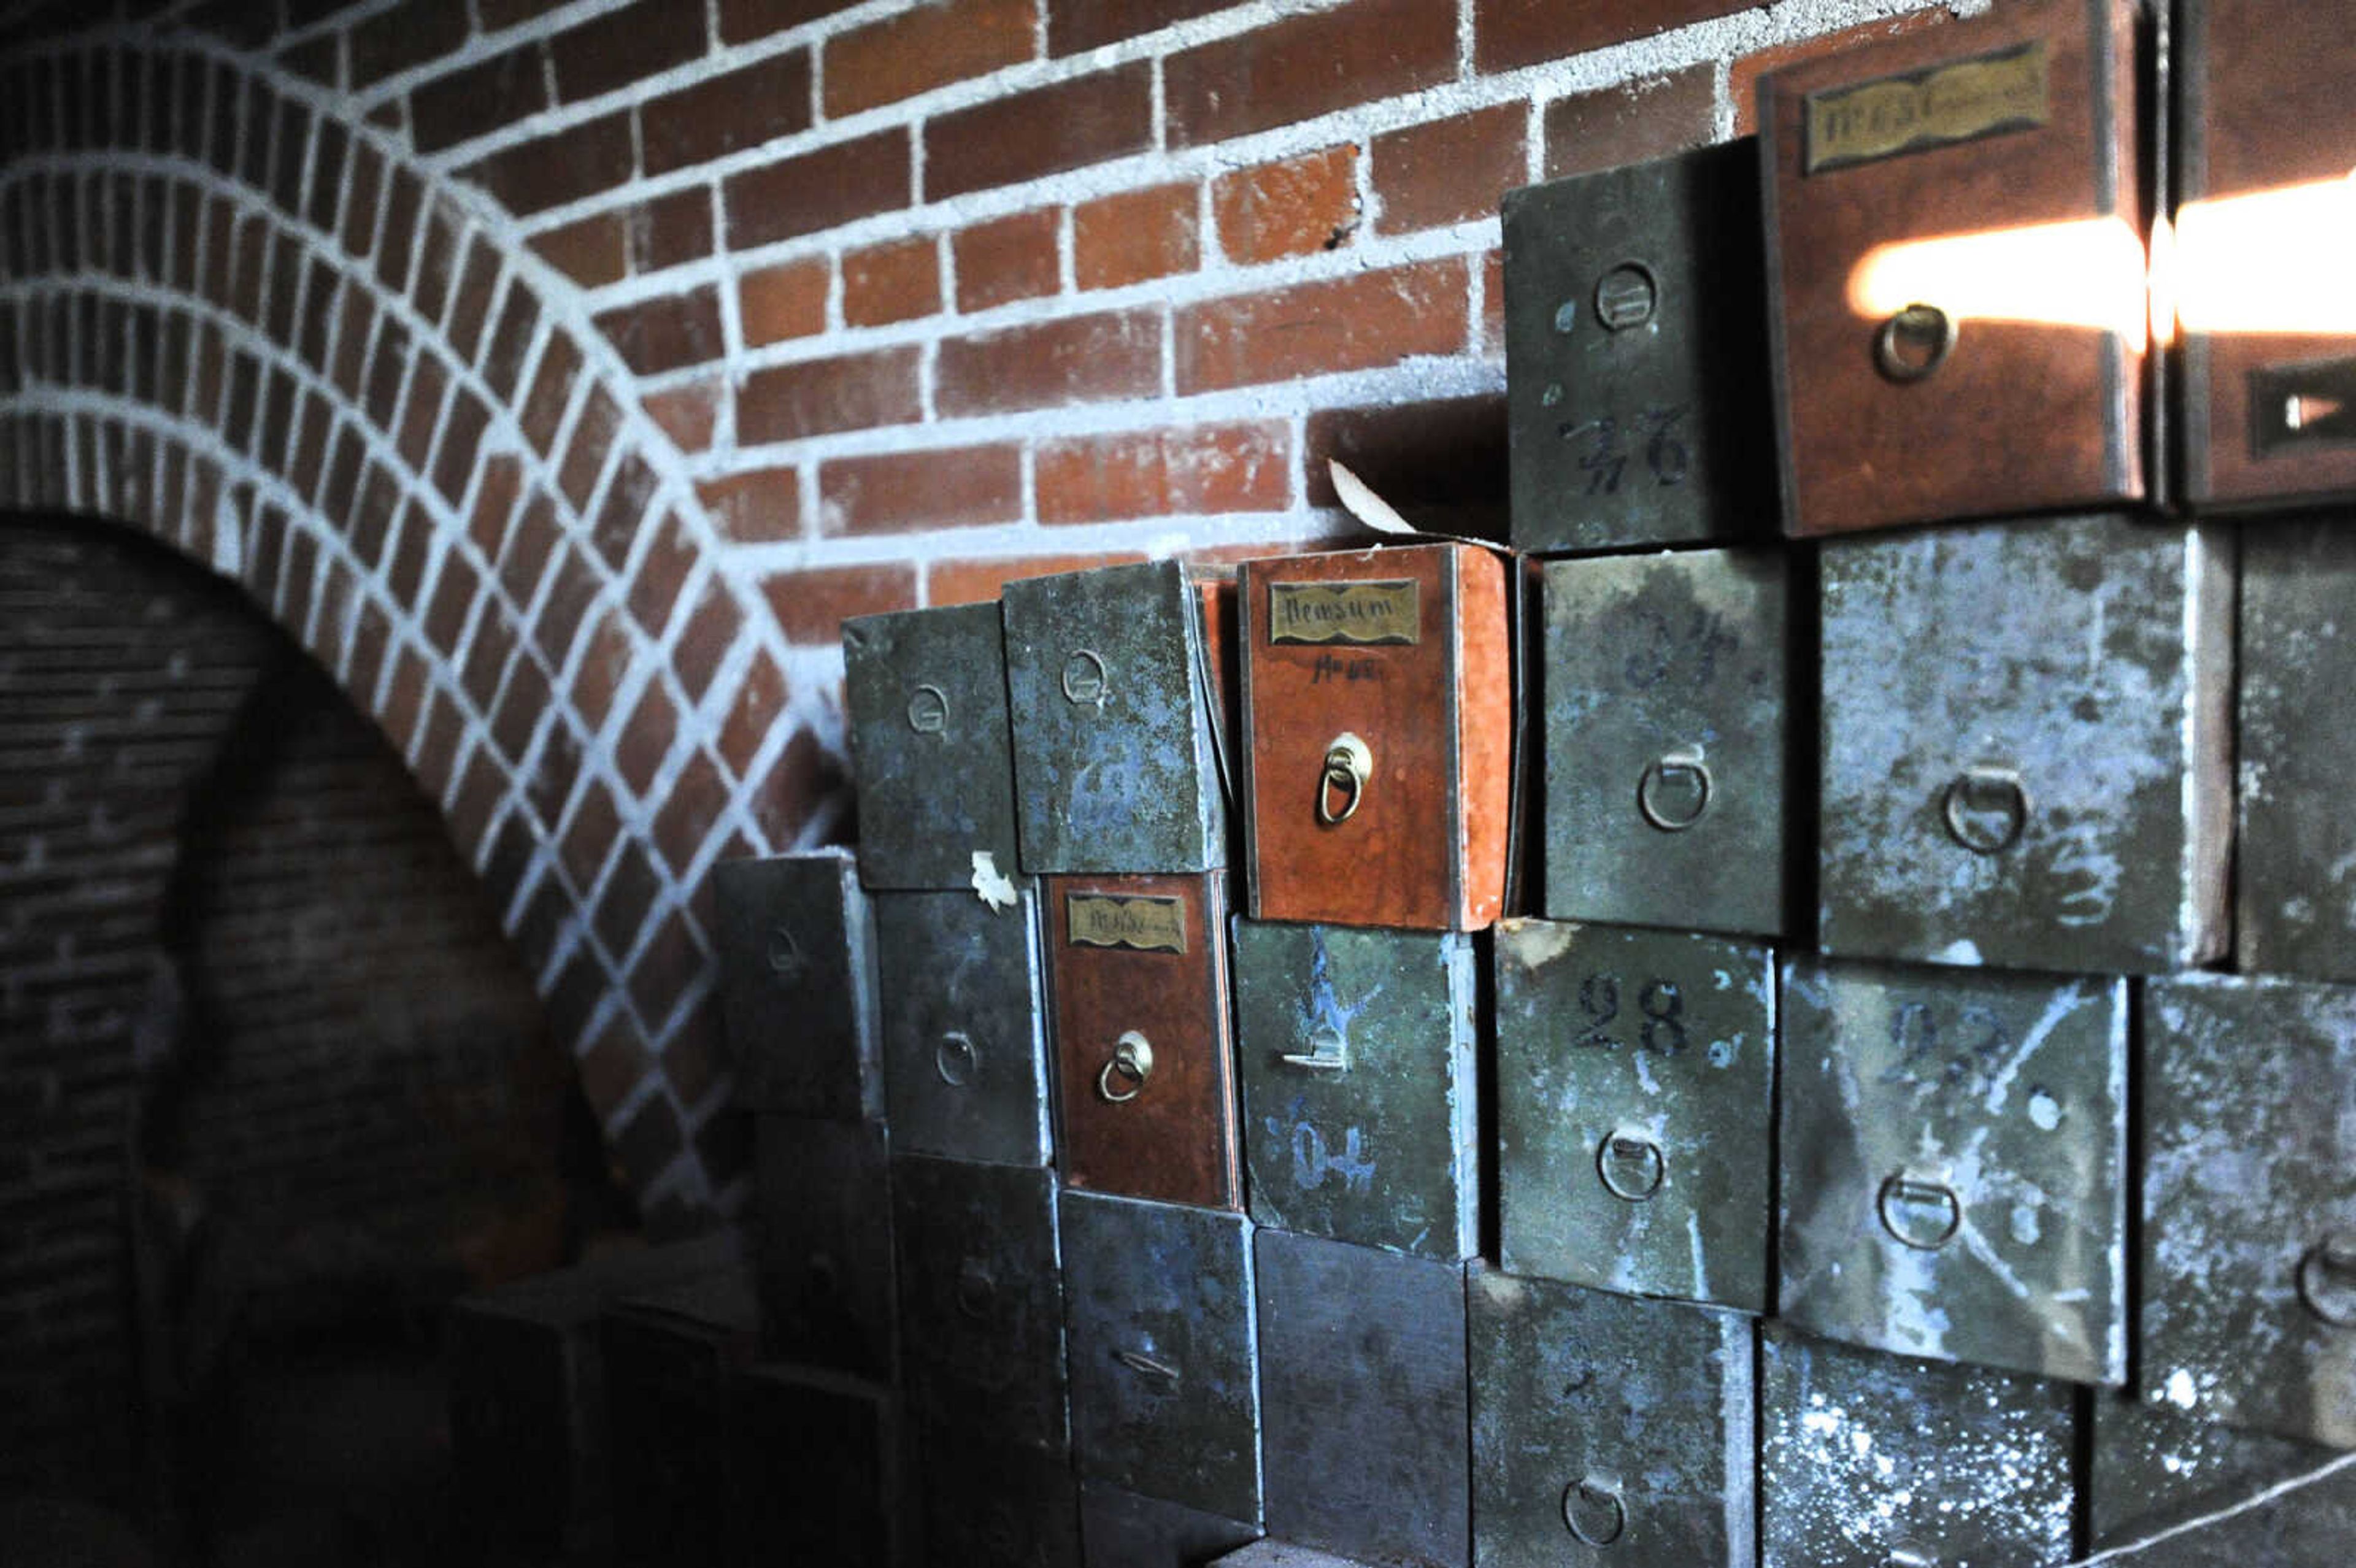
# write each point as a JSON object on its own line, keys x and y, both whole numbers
{"x": 1961, "y": 100}
{"x": 1149, "y": 924}
{"x": 1364, "y": 612}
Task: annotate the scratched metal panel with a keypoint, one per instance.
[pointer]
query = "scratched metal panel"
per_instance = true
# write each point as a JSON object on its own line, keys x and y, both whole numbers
{"x": 2155, "y": 1466}
{"x": 2306, "y": 1521}
{"x": 798, "y": 985}
{"x": 925, "y": 695}
{"x": 1953, "y": 1146}
{"x": 988, "y": 1503}
{"x": 1122, "y": 1529}
{"x": 2249, "y": 1234}
{"x": 1635, "y": 1094}
{"x": 1115, "y": 758}
{"x": 1362, "y": 1401}
{"x": 965, "y": 1046}
{"x": 1360, "y": 1113}
{"x": 813, "y": 1470}
{"x": 822, "y": 1243}
{"x": 1636, "y": 355}
{"x": 1608, "y": 1430}
{"x": 2295, "y": 866}
{"x": 2025, "y": 746}
{"x": 1663, "y": 686}
{"x": 1166, "y": 1386}
{"x": 1874, "y": 1461}
{"x": 981, "y": 1300}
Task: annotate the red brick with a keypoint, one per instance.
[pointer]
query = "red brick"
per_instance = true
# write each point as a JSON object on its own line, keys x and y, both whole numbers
{"x": 1136, "y": 235}
{"x": 486, "y": 656}
{"x": 1007, "y": 259}
{"x": 1492, "y": 307}
{"x": 622, "y": 47}
{"x": 646, "y": 738}
{"x": 741, "y": 20}
{"x": 437, "y": 258}
{"x": 589, "y": 834}
{"x": 404, "y": 37}
{"x": 930, "y": 46}
{"x": 1305, "y": 65}
{"x": 979, "y": 582}
{"x": 756, "y": 506}
{"x": 778, "y": 303}
{"x": 1742, "y": 75}
{"x": 428, "y": 382}
{"x": 530, "y": 548}
{"x": 403, "y": 200}
{"x": 1449, "y": 171}
{"x": 566, "y": 166}
{"x": 823, "y": 189}
{"x": 462, "y": 436}
{"x": 804, "y": 777}
{"x": 555, "y": 768}
{"x": 898, "y": 492}
{"x": 1289, "y": 208}
{"x": 1353, "y": 322}
{"x": 663, "y": 972}
{"x": 817, "y": 397}
{"x": 551, "y": 389}
{"x": 661, "y": 571}
{"x": 605, "y": 663}
{"x": 477, "y": 99}
{"x": 404, "y": 699}
{"x": 584, "y": 455}
{"x": 612, "y": 1068}
{"x": 1511, "y": 33}
{"x": 896, "y": 281}
{"x": 470, "y": 302}
{"x": 760, "y": 698}
{"x": 666, "y": 332}
{"x": 810, "y": 606}
{"x": 1086, "y": 358}
{"x": 1067, "y": 125}
{"x": 361, "y": 201}
{"x": 1091, "y": 24}
{"x": 437, "y": 746}
{"x": 690, "y": 807}
{"x": 711, "y": 630}
{"x": 591, "y": 250}
{"x": 1199, "y": 471}
{"x": 454, "y": 599}
{"x": 670, "y": 230}
{"x": 728, "y": 112}
{"x": 572, "y": 588}
{"x": 688, "y": 414}
{"x": 625, "y": 511}
{"x": 1632, "y": 122}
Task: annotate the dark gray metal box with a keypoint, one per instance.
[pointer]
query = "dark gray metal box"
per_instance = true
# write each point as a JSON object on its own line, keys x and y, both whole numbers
{"x": 1121, "y": 1530}
{"x": 1608, "y": 1430}
{"x": 1952, "y": 1150}
{"x": 1635, "y": 1095}
{"x": 925, "y": 692}
{"x": 814, "y": 1471}
{"x": 798, "y": 985}
{"x": 2025, "y": 747}
{"x": 995, "y": 1504}
{"x": 1636, "y": 355}
{"x": 1357, "y": 1050}
{"x": 2155, "y": 1466}
{"x": 822, "y": 1243}
{"x": 1667, "y": 719}
{"x": 965, "y": 1039}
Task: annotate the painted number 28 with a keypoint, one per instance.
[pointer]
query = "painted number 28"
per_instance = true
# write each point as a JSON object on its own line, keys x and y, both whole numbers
{"x": 1660, "y": 1010}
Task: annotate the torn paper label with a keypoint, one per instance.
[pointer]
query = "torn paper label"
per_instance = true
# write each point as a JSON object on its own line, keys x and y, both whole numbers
{"x": 996, "y": 889}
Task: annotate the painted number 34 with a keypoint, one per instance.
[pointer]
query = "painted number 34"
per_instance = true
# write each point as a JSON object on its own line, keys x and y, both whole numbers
{"x": 1603, "y": 448}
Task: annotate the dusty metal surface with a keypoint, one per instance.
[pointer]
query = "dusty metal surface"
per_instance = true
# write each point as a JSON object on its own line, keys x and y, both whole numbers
{"x": 2249, "y": 1193}
{"x": 1667, "y": 726}
{"x": 1875, "y": 1461}
{"x": 925, "y": 694}
{"x": 2155, "y": 1468}
{"x": 814, "y": 1471}
{"x": 1362, "y": 1401}
{"x": 1122, "y": 1529}
{"x": 1165, "y": 1380}
{"x": 964, "y": 1006}
{"x": 994, "y": 1504}
{"x": 2025, "y": 748}
{"x": 1636, "y": 355}
{"x": 1953, "y": 1147}
{"x": 1357, "y": 1051}
{"x": 1635, "y": 1094}
{"x": 822, "y": 1243}
{"x": 797, "y": 982}
{"x": 1115, "y": 758}
{"x": 1608, "y": 1430}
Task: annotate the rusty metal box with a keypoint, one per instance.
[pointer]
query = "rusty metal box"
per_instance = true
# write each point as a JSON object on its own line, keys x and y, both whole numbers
{"x": 1636, "y": 355}
{"x": 1124, "y": 1530}
{"x": 1166, "y": 1385}
{"x": 1362, "y": 1401}
{"x": 2155, "y": 1466}
{"x": 1377, "y": 700}
{"x": 1875, "y": 1461}
{"x": 995, "y": 1504}
{"x": 2249, "y": 1193}
{"x": 1956, "y": 223}
{"x": 1114, "y": 686}
{"x": 2025, "y": 746}
{"x": 670, "y": 1356}
{"x": 981, "y": 1301}
{"x": 798, "y": 984}
{"x": 2265, "y": 134}
{"x": 822, "y": 1243}
{"x": 965, "y": 1049}
{"x": 814, "y": 1471}
{"x": 1666, "y": 721}
{"x": 925, "y": 700}
{"x": 1139, "y": 969}
{"x": 1953, "y": 1153}
{"x": 1635, "y": 1095}
{"x": 1360, "y": 1109}
{"x": 1608, "y": 1430}
{"x": 2295, "y": 855}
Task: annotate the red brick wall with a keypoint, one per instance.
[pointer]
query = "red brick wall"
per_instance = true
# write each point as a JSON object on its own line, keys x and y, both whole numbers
{"x": 562, "y": 375}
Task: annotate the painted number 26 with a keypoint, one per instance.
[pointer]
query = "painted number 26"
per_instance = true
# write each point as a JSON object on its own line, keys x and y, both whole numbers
{"x": 1603, "y": 457}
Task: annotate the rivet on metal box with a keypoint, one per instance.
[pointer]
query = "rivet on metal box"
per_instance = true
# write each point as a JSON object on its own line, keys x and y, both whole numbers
{"x": 797, "y": 982}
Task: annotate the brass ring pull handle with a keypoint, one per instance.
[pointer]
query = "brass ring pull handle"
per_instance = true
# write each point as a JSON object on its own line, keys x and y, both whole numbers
{"x": 1632, "y": 1166}
{"x": 1593, "y": 1511}
{"x": 2327, "y": 1280}
{"x": 1132, "y": 1062}
{"x": 1328, "y": 1051}
{"x": 1348, "y": 764}
{"x": 1681, "y": 772}
{"x": 955, "y": 1060}
{"x": 1920, "y": 1212}
{"x": 1986, "y": 809}
{"x": 1913, "y": 343}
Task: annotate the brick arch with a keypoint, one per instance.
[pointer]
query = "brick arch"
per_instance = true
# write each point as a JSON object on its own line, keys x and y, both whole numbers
{"x": 250, "y": 327}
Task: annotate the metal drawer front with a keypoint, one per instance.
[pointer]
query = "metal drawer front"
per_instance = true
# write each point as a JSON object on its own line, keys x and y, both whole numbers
{"x": 965, "y": 1049}
{"x": 822, "y": 1243}
{"x": 797, "y": 979}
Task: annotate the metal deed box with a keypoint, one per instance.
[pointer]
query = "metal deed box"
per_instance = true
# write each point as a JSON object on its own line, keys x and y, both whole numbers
{"x": 822, "y": 1243}
{"x": 798, "y": 983}
{"x": 965, "y": 1046}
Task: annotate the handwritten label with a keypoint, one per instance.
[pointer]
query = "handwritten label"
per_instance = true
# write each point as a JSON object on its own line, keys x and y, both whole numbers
{"x": 1344, "y": 613}
{"x": 1959, "y": 102}
{"x": 1146, "y": 923}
